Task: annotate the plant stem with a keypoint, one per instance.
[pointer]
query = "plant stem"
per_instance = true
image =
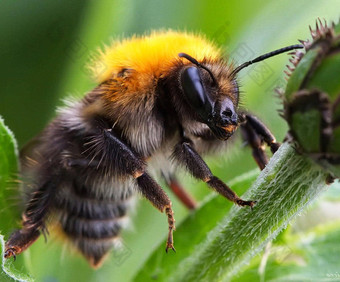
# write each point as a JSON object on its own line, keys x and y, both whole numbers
{"x": 284, "y": 188}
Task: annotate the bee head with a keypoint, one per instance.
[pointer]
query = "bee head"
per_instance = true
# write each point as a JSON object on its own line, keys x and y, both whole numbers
{"x": 215, "y": 106}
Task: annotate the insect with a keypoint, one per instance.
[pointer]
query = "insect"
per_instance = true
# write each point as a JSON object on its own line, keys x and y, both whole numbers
{"x": 170, "y": 96}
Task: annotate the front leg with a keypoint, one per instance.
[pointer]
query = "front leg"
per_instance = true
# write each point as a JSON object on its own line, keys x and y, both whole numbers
{"x": 256, "y": 134}
{"x": 187, "y": 156}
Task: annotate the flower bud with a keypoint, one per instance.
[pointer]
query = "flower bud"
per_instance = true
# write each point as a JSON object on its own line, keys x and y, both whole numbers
{"x": 312, "y": 97}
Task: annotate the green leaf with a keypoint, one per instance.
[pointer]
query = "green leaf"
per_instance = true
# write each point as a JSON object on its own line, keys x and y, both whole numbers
{"x": 8, "y": 173}
{"x": 9, "y": 213}
{"x": 308, "y": 255}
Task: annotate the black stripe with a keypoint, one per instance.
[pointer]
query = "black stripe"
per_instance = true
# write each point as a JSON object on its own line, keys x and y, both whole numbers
{"x": 92, "y": 229}
{"x": 91, "y": 208}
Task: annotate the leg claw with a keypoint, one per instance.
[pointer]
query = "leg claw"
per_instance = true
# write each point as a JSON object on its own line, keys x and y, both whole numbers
{"x": 170, "y": 247}
{"x": 10, "y": 253}
{"x": 242, "y": 203}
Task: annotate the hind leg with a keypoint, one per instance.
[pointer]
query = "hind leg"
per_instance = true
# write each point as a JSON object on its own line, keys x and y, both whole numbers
{"x": 185, "y": 198}
{"x": 33, "y": 220}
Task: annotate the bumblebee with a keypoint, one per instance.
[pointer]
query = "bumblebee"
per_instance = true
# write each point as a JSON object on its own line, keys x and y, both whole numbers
{"x": 168, "y": 96}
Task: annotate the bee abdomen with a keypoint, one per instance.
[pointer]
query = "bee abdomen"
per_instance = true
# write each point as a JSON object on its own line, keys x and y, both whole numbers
{"x": 93, "y": 237}
{"x": 92, "y": 224}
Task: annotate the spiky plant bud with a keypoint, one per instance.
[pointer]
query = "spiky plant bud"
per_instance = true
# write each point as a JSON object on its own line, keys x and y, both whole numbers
{"x": 312, "y": 97}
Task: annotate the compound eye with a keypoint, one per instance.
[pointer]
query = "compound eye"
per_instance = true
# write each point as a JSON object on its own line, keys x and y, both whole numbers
{"x": 195, "y": 93}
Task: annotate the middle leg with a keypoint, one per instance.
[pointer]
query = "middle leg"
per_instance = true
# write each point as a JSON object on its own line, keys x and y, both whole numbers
{"x": 187, "y": 156}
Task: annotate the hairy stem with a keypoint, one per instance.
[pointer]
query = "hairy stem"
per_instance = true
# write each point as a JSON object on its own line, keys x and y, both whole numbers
{"x": 288, "y": 183}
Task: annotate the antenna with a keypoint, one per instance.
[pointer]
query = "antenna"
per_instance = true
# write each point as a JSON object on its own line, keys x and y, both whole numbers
{"x": 266, "y": 56}
{"x": 195, "y": 62}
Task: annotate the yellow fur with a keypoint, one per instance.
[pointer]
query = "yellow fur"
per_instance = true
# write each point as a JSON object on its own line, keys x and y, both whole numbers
{"x": 151, "y": 55}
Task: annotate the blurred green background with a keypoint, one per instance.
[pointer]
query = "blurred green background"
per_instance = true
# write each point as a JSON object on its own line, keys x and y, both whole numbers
{"x": 45, "y": 46}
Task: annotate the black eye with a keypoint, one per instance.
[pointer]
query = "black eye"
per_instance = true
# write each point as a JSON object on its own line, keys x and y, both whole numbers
{"x": 195, "y": 93}
{"x": 193, "y": 87}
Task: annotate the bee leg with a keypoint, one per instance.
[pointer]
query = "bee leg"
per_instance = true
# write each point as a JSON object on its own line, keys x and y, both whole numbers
{"x": 180, "y": 192}
{"x": 155, "y": 194}
{"x": 256, "y": 133}
{"x": 130, "y": 163}
{"x": 255, "y": 142}
{"x": 33, "y": 220}
{"x": 188, "y": 157}
{"x": 19, "y": 241}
